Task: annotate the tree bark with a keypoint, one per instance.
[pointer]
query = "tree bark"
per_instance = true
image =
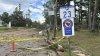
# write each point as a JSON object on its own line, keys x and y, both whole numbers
{"x": 90, "y": 16}
{"x": 94, "y": 15}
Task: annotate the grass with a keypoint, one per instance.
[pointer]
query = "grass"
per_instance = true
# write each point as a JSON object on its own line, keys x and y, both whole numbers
{"x": 90, "y": 42}
{"x": 5, "y": 29}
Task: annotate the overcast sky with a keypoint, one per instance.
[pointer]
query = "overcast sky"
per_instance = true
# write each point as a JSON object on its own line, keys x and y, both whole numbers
{"x": 36, "y": 6}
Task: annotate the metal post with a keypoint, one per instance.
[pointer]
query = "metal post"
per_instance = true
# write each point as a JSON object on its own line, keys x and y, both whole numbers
{"x": 69, "y": 46}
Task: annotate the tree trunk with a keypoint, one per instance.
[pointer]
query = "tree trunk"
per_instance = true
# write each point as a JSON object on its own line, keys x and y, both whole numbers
{"x": 94, "y": 15}
{"x": 90, "y": 16}
{"x": 80, "y": 15}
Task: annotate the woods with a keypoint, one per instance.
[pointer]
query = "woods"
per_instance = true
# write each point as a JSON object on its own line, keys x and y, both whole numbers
{"x": 17, "y": 18}
{"x": 87, "y": 13}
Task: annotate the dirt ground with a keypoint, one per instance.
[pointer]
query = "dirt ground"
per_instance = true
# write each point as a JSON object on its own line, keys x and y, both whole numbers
{"x": 5, "y": 47}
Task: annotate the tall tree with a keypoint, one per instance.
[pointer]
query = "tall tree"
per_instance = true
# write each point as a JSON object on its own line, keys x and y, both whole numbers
{"x": 90, "y": 15}
{"x": 17, "y": 17}
{"x": 5, "y": 17}
{"x": 95, "y": 15}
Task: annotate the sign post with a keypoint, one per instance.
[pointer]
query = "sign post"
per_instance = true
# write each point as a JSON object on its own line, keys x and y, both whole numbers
{"x": 68, "y": 30}
{"x": 69, "y": 46}
{"x": 67, "y": 15}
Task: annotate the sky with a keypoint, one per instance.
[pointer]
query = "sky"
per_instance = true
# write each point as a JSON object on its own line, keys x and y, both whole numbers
{"x": 36, "y": 7}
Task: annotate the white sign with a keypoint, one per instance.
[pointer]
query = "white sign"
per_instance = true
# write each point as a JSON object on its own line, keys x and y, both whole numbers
{"x": 77, "y": 0}
{"x": 68, "y": 27}
{"x": 67, "y": 12}
{"x": 51, "y": 12}
{"x": 9, "y": 25}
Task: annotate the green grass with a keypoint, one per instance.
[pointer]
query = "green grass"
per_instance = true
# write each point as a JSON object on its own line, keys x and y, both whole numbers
{"x": 5, "y": 29}
{"x": 90, "y": 42}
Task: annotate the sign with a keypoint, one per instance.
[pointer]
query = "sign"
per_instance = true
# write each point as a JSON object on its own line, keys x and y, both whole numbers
{"x": 77, "y": 0}
{"x": 51, "y": 12}
{"x": 68, "y": 27}
{"x": 67, "y": 12}
{"x": 9, "y": 25}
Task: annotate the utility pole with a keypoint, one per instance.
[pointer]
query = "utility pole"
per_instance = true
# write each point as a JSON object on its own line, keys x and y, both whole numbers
{"x": 55, "y": 19}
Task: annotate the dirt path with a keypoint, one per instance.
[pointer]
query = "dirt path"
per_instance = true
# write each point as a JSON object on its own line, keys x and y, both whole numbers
{"x": 5, "y": 47}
